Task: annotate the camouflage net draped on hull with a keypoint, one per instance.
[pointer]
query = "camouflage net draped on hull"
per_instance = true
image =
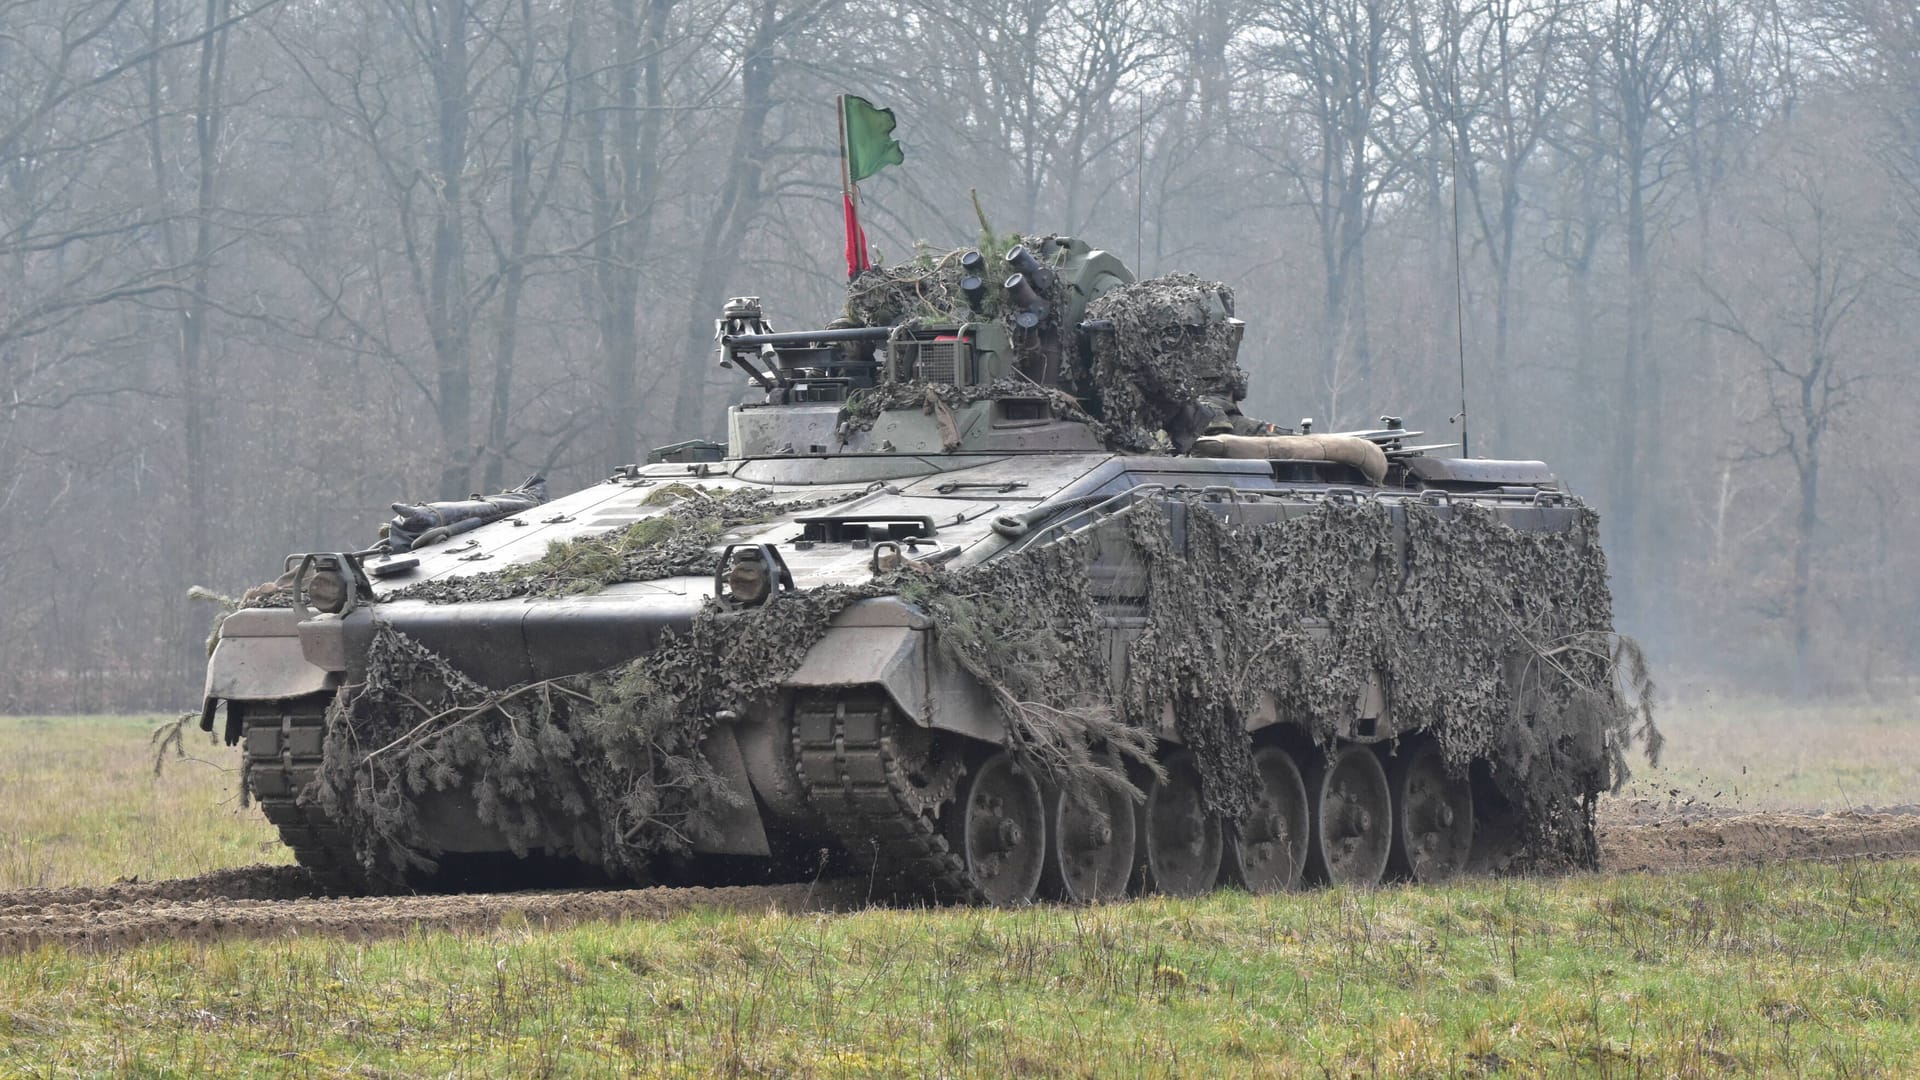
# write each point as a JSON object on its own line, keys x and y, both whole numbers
{"x": 603, "y": 766}
{"x": 676, "y": 542}
{"x": 1310, "y": 608}
{"x": 606, "y": 766}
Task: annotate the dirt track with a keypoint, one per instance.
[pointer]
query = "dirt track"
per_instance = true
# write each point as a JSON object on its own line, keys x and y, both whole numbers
{"x": 278, "y": 901}
{"x": 1632, "y": 838}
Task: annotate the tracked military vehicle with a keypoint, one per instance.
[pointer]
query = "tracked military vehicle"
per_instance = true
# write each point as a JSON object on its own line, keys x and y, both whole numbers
{"x": 991, "y": 593}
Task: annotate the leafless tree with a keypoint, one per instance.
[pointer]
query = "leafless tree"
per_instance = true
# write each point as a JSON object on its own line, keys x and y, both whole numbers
{"x": 1797, "y": 316}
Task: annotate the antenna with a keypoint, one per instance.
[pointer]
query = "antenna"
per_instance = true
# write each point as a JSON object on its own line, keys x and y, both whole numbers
{"x": 1140, "y": 190}
{"x": 1459, "y": 281}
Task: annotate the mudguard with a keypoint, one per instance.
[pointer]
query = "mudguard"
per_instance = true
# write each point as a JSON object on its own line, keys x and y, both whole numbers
{"x": 887, "y": 643}
{"x": 260, "y": 658}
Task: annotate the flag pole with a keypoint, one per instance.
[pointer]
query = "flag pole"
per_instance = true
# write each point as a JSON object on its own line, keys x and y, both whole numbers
{"x": 848, "y": 194}
{"x": 846, "y": 183}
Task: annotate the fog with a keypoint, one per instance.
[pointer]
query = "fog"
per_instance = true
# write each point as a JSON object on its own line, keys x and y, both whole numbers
{"x": 266, "y": 267}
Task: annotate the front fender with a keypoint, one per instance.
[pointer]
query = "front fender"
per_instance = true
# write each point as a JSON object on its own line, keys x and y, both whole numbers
{"x": 260, "y": 658}
{"x": 887, "y": 643}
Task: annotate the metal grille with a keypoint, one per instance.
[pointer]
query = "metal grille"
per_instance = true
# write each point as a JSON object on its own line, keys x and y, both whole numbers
{"x": 941, "y": 361}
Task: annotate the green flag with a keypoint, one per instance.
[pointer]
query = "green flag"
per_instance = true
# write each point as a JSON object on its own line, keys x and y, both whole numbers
{"x": 870, "y": 142}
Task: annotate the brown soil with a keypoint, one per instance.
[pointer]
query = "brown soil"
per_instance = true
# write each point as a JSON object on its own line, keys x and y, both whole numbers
{"x": 281, "y": 902}
{"x": 92, "y": 919}
{"x": 244, "y": 883}
{"x": 1639, "y": 837}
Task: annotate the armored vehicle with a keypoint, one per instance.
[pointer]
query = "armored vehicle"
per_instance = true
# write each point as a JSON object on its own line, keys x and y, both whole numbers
{"x": 992, "y": 593}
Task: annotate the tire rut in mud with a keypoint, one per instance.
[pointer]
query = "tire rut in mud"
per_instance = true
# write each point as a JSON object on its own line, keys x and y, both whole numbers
{"x": 283, "y": 901}
{"x": 94, "y": 920}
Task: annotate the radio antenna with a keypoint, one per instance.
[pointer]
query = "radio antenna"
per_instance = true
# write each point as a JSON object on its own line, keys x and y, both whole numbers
{"x": 1140, "y": 190}
{"x": 1459, "y": 280}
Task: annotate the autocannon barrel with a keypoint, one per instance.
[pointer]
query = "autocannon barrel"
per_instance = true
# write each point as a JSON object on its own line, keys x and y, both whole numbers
{"x": 809, "y": 337}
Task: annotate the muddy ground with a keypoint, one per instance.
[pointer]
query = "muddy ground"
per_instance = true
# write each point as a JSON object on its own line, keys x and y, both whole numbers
{"x": 279, "y": 901}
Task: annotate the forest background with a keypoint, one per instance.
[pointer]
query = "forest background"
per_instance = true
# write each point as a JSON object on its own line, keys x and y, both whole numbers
{"x": 269, "y": 265}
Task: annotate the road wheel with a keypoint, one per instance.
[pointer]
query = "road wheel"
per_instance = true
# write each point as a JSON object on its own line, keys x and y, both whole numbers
{"x": 1089, "y": 846}
{"x": 1432, "y": 816}
{"x": 1352, "y": 818}
{"x": 999, "y": 830}
{"x": 1268, "y": 853}
{"x": 1180, "y": 843}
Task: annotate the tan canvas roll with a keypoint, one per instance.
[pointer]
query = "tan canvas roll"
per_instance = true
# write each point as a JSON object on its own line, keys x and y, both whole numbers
{"x": 1345, "y": 449}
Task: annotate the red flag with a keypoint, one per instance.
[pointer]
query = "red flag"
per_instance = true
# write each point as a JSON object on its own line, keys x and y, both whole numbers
{"x": 856, "y": 241}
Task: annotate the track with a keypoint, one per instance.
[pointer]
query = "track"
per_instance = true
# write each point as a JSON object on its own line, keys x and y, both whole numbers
{"x": 281, "y": 902}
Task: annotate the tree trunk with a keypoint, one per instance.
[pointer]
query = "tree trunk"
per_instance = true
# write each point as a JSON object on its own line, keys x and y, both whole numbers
{"x": 740, "y": 198}
{"x": 447, "y": 314}
{"x": 193, "y": 312}
{"x": 1807, "y": 522}
{"x": 1631, "y": 402}
{"x": 622, "y": 180}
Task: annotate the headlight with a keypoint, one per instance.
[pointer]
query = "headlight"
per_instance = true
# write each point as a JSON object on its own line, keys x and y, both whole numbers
{"x": 327, "y": 590}
{"x": 747, "y": 579}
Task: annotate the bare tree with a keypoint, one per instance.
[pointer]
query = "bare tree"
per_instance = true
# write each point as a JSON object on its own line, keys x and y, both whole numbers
{"x": 1490, "y": 78}
{"x": 1797, "y": 318}
{"x": 1338, "y": 57}
{"x": 622, "y": 172}
{"x": 743, "y": 186}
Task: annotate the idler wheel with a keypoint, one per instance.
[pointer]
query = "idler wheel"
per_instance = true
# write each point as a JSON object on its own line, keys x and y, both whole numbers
{"x": 1180, "y": 843}
{"x": 1432, "y": 816}
{"x": 999, "y": 828}
{"x": 1352, "y": 831}
{"x": 1089, "y": 845}
{"x": 1268, "y": 852}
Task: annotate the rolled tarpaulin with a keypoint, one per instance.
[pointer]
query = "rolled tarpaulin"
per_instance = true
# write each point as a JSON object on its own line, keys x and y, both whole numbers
{"x": 414, "y": 523}
{"x": 1344, "y": 449}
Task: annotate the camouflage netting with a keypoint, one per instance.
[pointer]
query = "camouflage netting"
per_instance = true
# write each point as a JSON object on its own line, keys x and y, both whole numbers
{"x": 605, "y": 765}
{"x": 1171, "y": 343}
{"x": 1029, "y": 630}
{"x": 673, "y": 543}
{"x": 1310, "y": 607}
{"x": 927, "y": 290}
{"x": 940, "y": 399}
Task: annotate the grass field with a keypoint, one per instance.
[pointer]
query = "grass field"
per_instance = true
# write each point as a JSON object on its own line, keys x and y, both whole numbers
{"x": 1786, "y": 970}
{"x": 80, "y": 805}
{"x": 1793, "y": 970}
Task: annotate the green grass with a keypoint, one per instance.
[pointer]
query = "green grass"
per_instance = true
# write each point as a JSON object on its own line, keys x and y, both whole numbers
{"x": 1759, "y": 754}
{"x": 1784, "y": 971}
{"x": 79, "y": 805}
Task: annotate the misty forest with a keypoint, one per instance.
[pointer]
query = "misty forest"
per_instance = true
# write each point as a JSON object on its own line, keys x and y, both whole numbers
{"x": 267, "y": 266}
